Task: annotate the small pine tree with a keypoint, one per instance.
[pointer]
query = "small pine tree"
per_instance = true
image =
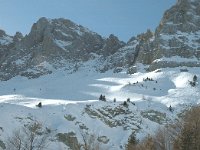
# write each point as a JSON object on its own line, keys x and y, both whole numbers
{"x": 39, "y": 104}
{"x": 170, "y": 108}
{"x": 195, "y": 78}
{"x": 125, "y": 103}
{"x": 104, "y": 98}
{"x": 101, "y": 97}
{"x": 114, "y": 100}
{"x": 132, "y": 141}
{"x": 192, "y": 83}
{"x": 128, "y": 100}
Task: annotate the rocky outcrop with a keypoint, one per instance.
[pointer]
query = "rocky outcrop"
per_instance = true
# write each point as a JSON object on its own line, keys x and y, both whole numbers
{"x": 62, "y": 38}
{"x": 5, "y": 39}
{"x": 60, "y": 43}
{"x": 6, "y": 43}
{"x": 53, "y": 44}
{"x": 17, "y": 37}
{"x": 145, "y": 47}
{"x": 178, "y": 34}
{"x": 112, "y": 45}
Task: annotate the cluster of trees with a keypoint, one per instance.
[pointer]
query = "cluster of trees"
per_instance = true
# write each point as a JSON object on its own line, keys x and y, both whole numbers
{"x": 148, "y": 79}
{"x": 35, "y": 136}
{"x": 102, "y": 97}
{"x": 189, "y": 136}
{"x": 194, "y": 81}
{"x": 32, "y": 136}
{"x": 183, "y": 135}
{"x": 125, "y": 103}
{"x": 145, "y": 79}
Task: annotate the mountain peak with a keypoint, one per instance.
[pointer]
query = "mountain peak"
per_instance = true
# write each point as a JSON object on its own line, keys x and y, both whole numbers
{"x": 184, "y": 16}
{"x": 61, "y": 43}
{"x": 2, "y": 33}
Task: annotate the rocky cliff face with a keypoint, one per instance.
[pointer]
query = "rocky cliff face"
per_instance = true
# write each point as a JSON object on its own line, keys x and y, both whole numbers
{"x": 176, "y": 41}
{"x": 60, "y": 43}
{"x": 178, "y": 36}
{"x": 52, "y": 44}
{"x": 5, "y": 44}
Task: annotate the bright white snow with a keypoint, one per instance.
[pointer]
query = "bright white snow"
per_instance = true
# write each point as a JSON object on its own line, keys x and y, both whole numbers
{"x": 63, "y": 94}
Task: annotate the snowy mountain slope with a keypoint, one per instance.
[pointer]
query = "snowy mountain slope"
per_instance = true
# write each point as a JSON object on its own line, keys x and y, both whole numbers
{"x": 5, "y": 39}
{"x": 70, "y": 103}
{"x": 58, "y": 64}
{"x": 59, "y": 43}
{"x": 53, "y": 44}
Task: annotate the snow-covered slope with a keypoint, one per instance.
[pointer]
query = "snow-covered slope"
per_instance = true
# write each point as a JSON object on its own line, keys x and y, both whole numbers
{"x": 59, "y": 65}
{"x": 59, "y": 43}
{"x": 70, "y": 103}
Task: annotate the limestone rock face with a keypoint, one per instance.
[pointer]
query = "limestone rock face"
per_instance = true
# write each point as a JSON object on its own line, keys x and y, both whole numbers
{"x": 62, "y": 39}
{"x": 6, "y": 43}
{"x": 112, "y": 44}
{"x": 177, "y": 35}
{"x": 52, "y": 44}
{"x": 17, "y": 37}
{"x": 123, "y": 57}
{"x": 145, "y": 47}
{"x": 61, "y": 44}
{"x": 5, "y": 39}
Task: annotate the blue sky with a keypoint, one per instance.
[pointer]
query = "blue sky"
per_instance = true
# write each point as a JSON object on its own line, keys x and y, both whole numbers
{"x": 124, "y": 18}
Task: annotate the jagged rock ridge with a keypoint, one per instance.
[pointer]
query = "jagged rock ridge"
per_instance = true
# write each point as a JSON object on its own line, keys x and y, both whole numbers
{"x": 53, "y": 44}
{"x": 176, "y": 39}
{"x": 60, "y": 43}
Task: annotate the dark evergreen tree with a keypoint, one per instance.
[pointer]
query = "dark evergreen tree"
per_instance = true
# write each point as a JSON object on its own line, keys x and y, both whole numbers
{"x": 39, "y": 104}
{"x": 132, "y": 141}
{"x": 170, "y": 108}
{"x": 195, "y": 78}
{"x": 125, "y": 103}
{"x": 101, "y": 97}
{"x": 192, "y": 83}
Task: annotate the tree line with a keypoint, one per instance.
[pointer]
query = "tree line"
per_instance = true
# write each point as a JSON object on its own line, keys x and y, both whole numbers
{"x": 184, "y": 134}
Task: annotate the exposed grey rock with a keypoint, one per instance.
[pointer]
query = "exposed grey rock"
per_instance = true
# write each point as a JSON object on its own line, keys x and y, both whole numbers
{"x": 172, "y": 64}
{"x": 118, "y": 69}
{"x": 112, "y": 44}
{"x": 2, "y": 33}
{"x": 177, "y": 35}
{"x": 17, "y": 37}
{"x": 145, "y": 47}
{"x": 132, "y": 70}
{"x": 59, "y": 43}
{"x": 53, "y": 44}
